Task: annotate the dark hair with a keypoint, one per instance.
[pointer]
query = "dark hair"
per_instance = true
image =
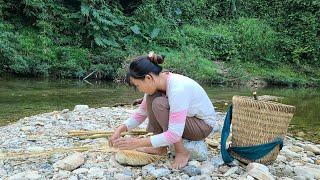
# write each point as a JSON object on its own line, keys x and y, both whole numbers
{"x": 144, "y": 65}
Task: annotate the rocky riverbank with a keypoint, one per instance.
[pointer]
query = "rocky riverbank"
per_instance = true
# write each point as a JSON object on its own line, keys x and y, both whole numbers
{"x": 298, "y": 159}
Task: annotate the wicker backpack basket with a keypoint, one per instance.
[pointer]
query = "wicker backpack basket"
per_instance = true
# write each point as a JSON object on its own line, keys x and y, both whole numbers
{"x": 258, "y": 122}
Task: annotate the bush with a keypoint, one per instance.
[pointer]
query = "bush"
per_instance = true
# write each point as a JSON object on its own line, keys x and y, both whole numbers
{"x": 106, "y": 64}
{"x": 191, "y": 63}
{"x": 215, "y": 43}
{"x": 255, "y": 41}
{"x": 73, "y": 38}
{"x": 71, "y": 62}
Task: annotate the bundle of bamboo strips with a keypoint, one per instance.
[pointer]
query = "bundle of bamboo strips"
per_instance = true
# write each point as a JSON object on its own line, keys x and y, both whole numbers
{"x": 83, "y": 134}
{"x": 97, "y": 134}
{"x": 49, "y": 152}
{"x": 125, "y": 157}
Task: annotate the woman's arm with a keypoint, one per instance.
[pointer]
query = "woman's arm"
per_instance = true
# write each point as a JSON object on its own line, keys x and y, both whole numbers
{"x": 138, "y": 117}
{"x": 179, "y": 102}
{"x": 132, "y": 143}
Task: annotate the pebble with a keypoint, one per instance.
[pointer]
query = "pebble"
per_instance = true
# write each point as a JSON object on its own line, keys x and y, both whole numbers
{"x": 296, "y": 149}
{"x": 230, "y": 171}
{"x": 288, "y": 171}
{"x": 207, "y": 168}
{"x": 259, "y": 171}
{"x": 62, "y": 174}
{"x": 95, "y": 172}
{"x": 148, "y": 168}
{"x": 80, "y": 171}
{"x": 259, "y": 174}
{"x": 73, "y": 178}
{"x": 81, "y": 108}
{"x": 122, "y": 177}
{"x": 217, "y": 161}
{"x": 289, "y": 154}
{"x": 71, "y": 162}
{"x": 42, "y": 132}
{"x": 308, "y": 172}
{"x": 224, "y": 169}
{"x": 194, "y": 163}
{"x": 281, "y": 158}
{"x": 160, "y": 172}
{"x": 35, "y": 149}
{"x": 31, "y": 175}
{"x": 312, "y": 148}
{"x": 191, "y": 170}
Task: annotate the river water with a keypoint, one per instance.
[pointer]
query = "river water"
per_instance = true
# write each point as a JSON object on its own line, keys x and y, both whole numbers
{"x": 20, "y": 97}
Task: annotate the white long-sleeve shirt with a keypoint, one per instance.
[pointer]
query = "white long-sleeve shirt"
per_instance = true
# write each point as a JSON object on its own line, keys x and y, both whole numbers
{"x": 186, "y": 99}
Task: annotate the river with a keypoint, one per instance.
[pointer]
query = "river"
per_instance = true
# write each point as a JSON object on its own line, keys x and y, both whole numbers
{"x": 21, "y": 97}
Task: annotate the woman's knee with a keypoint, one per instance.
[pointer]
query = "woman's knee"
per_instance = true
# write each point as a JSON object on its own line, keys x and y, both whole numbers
{"x": 160, "y": 104}
{"x": 150, "y": 98}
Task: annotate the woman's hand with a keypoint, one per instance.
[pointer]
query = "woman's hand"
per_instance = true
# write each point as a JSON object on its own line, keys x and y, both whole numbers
{"x": 127, "y": 143}
{"x": 117, "y": 134}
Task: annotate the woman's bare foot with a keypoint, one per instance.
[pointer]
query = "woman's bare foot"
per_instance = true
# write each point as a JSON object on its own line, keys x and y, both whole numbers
{"x": 151, "y": 150}
{"x": 181, "y": 160}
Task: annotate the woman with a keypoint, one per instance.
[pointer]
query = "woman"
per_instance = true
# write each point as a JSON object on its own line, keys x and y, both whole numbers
{"x": 177, "y": 107}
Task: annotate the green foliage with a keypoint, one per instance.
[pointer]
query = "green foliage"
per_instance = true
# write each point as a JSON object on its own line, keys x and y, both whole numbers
{"x": 215, "y": 43}
{"x": 107, "y": 63}
{"x": 255, "y": 41}
{"x": 283, "y": 75}
{"x": 101, "y": 24}
{"x": 73, "y": 38}
{"x": 297, "y": 21}
{"x": 28, "y": 53}
{"x": 189, "y": 61}
{"x": 71, "y": 62}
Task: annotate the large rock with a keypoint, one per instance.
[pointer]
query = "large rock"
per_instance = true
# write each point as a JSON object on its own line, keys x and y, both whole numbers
{"x": 81, "y": 108}
{"x": 296, "y": 149}
{"x": 30, "y": 175}
{"x": 62, "y": 174}
{"x": 198, "y": 149}
{"x": 308, "y": 172}
{"x": 122, "y": 176}
{"x": 289, "y": 154}
{"x": 81, "y": 171}
{"x": 35, "y": 149}
{"x": 160, "y": 172}
{"x": 257, "y": 166}
{"x": 27, "y": 128}
{"x": 260, "y": 175}
{"x": 281, "y": 158}
{"x": 95, "y": 173}
{"x": 231, "y": 171}
{"x": 148, "y": 168}
{"x": 191, "y": 170}
{"x": 194, "y": 163}
{"x": 288, "y": 171}
{"x": 207, "y": 168}
{"x": 71, "y": 162}
{"x": 217, "y": 161}
{"x": 259, "y": 171}
{"x": 312, "y": 148}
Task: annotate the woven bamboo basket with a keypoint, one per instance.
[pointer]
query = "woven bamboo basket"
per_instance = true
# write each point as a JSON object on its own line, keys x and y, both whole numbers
{"x": 257, "y": 122}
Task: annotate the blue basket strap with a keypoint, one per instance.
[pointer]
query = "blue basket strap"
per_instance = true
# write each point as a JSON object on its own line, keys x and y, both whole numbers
{"x": 249, "y": 152}
{"x": 257, "y": 151}
{"x": 227, "y": 158}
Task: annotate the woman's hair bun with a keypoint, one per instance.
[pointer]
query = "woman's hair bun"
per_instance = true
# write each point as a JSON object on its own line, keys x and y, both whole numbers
{"x": 156, "y": 59}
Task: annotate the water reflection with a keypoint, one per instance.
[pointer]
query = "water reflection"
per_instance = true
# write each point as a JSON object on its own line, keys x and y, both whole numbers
{"x": 24, "y": 97}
